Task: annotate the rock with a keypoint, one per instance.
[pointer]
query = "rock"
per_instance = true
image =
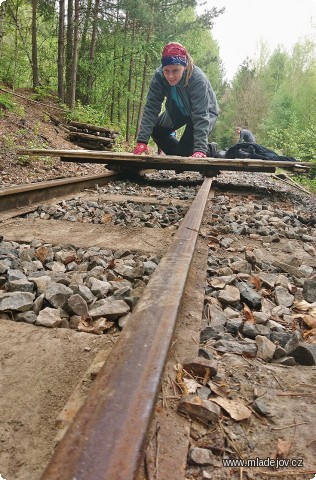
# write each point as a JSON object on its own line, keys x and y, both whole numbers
{"x": 216, "y": 315}
{"x": 18, "y": 301}
{"x": 28, "y": 317}
{"x": 78, "y": 305}
{"x": 210, "y": 332}
{"x": 200, "y": 409}
{"x": 230, "y": 295}
{"x": 293, "y": 342}
{"x": 15, "y": 274}
{"x": 57, "y": 294}
{"x": 295, "y": 272}
{"x": 283, "y": 297}
{"x": 204, "y": 353}
{"x": 280, "y": 337}
{"x": 38, "y": 303}
{"x": 266, "y": 348}
{"x": 304, "y": 353}
{"x": 309, "y": 290}
{"x": 199, "y": 367}
{"x": 236, "y": 347}
{"x": 22, "y": 285}
{"x": 279, "y": 352}
{"x": 200, "y": 456}
{"x": 98, "y": 287}
{"x": 111, "y": 309}
{"x": 260, "y": 407}
{"x": 249, "y": 295}
{"x": 49, "y": 317}
{"x": 233, "y": 325}
{"x": 261, "y": 317}
{"x": 287, "y": 361}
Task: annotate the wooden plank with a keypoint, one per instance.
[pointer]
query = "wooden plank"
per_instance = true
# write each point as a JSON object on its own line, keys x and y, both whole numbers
{"x": 163, "y": 160}
{"x": 95, "y": 128}
{"x": 94, "y": 138}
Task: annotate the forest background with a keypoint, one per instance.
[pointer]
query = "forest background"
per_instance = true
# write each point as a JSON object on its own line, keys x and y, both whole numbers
{"x": 98, "y": 56}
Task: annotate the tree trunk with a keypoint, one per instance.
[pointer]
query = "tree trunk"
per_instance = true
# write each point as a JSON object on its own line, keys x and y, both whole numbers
{"x": 114, "y": 78}
{"x": 144, "y": 80}
{"x": 142, "y": 95}
{"x": 2, "y": 18}
{"x": 83, "y": 71}
{"x": 91, "y": 77}
{"x": 34, "y": 46}
{"x": 73, "y": 77}
{"x": 86, "y": 24}
{"x": 61, "y": 46}
{"x": 122, "y": 69}
{"x": 14, "y": 14}
{"x": 69, "y": 48}
{"x": 129, "y": 86}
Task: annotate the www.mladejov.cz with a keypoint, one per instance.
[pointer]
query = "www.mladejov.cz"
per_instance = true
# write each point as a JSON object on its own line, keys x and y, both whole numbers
{"x": 264, "y": 462}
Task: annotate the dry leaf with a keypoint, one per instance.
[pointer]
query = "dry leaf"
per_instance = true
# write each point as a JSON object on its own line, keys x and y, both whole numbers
{"x": 235, "y": 408}
{"x": 248, "y": 314}
{"x": 283, "y": 448}
{"x": 72, "y": 257}
{"x": 207, "y": 376}
{"x": 309, "y": 320}
{"x": 217, "y": 390}
{"x": 179, "y": 378}
{"x": 111, "y": 264}
{"x": 310, "y": 335}
{"x": 302, "y": 306}
{"x": 96, "y": 326}
{"x": 191, "y": 385}
{"x": 256, "y": 281}
{"x": 106, "y": 218}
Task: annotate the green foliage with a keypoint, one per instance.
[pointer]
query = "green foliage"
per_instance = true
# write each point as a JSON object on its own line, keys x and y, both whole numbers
{"x": 24, "y": 160}
{"x": 8, "y": 104}
{"x": 294, "y": 142}
{"x": 88, "y": 114}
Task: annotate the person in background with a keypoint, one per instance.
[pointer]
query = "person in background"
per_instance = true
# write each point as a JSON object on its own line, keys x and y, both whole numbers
{"x": 190, "y": 102}
{"x": 245, "y": 136}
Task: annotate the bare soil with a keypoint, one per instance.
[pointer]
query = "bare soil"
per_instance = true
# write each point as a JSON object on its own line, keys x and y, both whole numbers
{"x": 30, "y": 126}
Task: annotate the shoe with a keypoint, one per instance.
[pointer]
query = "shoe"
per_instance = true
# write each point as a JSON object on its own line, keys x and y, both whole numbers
{"x": 212, "y": 150}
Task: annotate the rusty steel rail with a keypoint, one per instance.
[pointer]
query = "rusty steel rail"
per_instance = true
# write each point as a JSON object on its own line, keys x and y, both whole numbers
{"x": 107, "y": 438}
{"x": 26, "y": 195}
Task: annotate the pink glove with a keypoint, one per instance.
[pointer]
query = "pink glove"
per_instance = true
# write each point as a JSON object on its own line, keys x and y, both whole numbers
{"x": 198, "y": 155}
{"x": 141, "y": 148}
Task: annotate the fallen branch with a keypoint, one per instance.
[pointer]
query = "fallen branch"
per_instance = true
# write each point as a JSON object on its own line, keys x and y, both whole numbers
{"x": 296, "y": 394}
{"x": 290, "y": 426}
{"x": 290, "y": 182}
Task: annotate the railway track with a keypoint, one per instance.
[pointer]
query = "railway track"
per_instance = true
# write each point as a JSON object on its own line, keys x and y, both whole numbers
{"x": 153, "y": 320}
{"x": 132, "y": 402}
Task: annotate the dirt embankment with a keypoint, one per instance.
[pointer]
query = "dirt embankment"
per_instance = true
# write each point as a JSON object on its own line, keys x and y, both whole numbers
{"x": 29, "y": 125}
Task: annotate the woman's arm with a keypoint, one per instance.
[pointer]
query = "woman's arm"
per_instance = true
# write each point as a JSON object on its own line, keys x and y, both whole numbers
{"x": 204, "y": 111}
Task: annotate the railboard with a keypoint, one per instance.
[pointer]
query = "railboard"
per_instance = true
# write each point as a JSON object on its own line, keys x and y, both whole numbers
{"x": 129, "y": 161}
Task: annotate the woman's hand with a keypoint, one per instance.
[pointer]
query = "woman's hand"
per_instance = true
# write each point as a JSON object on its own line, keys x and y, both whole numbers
{"x": 198, "y": 155}
{"x": 141, "y": 148}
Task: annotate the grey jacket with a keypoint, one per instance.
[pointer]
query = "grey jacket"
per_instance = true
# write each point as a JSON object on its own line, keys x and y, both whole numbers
{"x": 198, "y": 98}
{"x": 246, "y": 136}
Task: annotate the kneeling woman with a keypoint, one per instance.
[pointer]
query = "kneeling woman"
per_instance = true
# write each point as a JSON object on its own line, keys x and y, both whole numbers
{"x": 190, "y": 101}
